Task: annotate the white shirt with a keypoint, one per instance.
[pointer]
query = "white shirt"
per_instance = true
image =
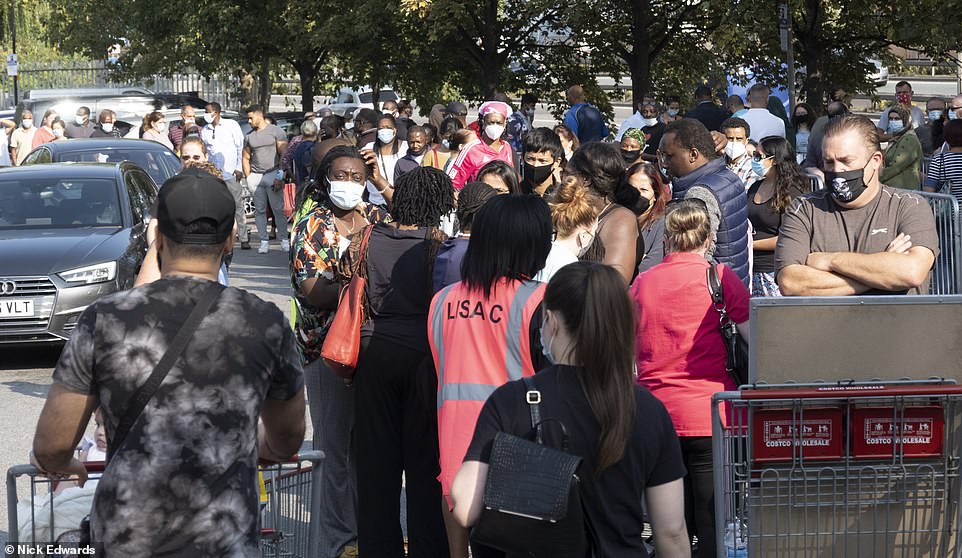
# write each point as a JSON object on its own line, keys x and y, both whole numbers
{"x": 225, "y": 145}
{"x": 385, "y": 164}
{"x": 763, "y": 124}
{"x": 558, "y": 257}
{"x": 918, "y": 118}
{"x": 5, "y": 160}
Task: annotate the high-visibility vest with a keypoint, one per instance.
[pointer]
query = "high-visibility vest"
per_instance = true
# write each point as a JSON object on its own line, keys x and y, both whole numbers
{"x": 478, "y": 345}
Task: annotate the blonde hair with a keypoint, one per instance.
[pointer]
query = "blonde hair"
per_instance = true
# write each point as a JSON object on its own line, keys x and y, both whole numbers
{"x": 573, "y": 206}
{"x": 687, "y": 226}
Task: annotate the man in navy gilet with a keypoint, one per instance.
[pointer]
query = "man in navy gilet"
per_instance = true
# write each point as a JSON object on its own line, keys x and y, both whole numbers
{"x": 687, "y": 152}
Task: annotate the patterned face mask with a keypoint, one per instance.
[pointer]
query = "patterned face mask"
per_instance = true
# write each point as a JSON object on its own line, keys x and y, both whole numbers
{"x": 903, "y": 98}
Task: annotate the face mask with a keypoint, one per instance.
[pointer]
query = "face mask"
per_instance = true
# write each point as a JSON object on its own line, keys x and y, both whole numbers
{"x": 189, "y": 121}
{"x": 758, "y": 167}
{"x": 672, "y": 112}
{"x": 494, "y": 131}
{"x": 735, "y": 150}
{"x": 535, "y": 175}
{"x": 386, "y": 135}
{"x": 935, "y": 115}
{"x": 800, "y": 115}
{"x": 349, "y": 125}
{"x": 80, "y": 120}
{"x": 416, "y": 153}
{"x": 161, "y": 126}
{"x": 546, "y": 346}
{"x": 58, "y": 133}
{"x": 641, "y": 206}
{"x": 446, "y": 144}
{"x": 107, "y": 127}
{"x": 346, "y": 194}
{"x": 648, "y": 122}
{"x": 953, "y": 115}
{"x": 895, "y": 126}
{"x": 630, "y": 156}
{"x": 27, "y": 123}
{"x": 529, "y": 113}
{"x": 846, "y": 186}
{"x": 903, "y": 98}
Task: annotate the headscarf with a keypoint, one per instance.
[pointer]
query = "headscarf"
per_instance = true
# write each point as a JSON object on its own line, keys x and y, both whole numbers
{"x": 906, "y": 116}
{"x": 495, "y": 106}
{"x": 637, "y": 135}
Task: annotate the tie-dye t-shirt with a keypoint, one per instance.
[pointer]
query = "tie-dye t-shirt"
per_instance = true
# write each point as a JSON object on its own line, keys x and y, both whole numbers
{"x": 184, "y": 481}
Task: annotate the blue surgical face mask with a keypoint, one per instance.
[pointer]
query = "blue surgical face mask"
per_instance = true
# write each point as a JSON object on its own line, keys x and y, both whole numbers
{"x": 953, "y": 115}
{"x": 935, "y": 115}
{"x": 758, "y": 167}
{"x": 895, "y": 126}
{"x": 546, "y": 346}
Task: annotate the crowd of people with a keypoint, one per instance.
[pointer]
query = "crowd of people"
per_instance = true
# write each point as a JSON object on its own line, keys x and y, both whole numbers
{"x": 497, "y": 250}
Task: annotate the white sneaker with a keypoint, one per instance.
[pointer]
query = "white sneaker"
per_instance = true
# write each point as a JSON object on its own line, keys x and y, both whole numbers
{"x": 264, "y": 247}
{"x": 285, "y": 246}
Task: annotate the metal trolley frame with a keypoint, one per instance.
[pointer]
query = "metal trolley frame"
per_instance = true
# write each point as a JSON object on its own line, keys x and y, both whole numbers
{"x": 287, "y": 528}
{"x": 846, "y": 469}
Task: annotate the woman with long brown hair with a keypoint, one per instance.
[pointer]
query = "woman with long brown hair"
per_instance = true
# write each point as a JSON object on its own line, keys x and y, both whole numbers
{"x": 642, "y": 191}
{"x": 624, "y": 435}
{"x": 780, "y": 181}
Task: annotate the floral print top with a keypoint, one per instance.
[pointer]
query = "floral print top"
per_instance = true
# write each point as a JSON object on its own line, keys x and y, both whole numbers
{"x": 316, "y": 247}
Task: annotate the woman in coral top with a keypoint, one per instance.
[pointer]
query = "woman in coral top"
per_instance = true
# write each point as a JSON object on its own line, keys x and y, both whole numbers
{"x": 681, "y": 354}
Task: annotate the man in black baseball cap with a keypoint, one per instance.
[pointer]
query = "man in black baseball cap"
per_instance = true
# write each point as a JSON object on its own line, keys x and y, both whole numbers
{"x": 195, "y": 222}
{"x": 458, "y": 110}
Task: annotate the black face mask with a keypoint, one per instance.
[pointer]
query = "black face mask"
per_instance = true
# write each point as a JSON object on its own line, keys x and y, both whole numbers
{"x": 416, "y": 153}
{"x": 640, "y": 206}
{"x": 846, "y": 186}
{"x": 630, "y": 156}
{"x": 535, "y": 176}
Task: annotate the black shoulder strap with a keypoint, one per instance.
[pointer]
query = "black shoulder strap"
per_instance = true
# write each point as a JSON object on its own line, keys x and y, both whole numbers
{"x": 140, "y": 398}
{"x": 715, "y": 286}
{"x": 533, "y": 397}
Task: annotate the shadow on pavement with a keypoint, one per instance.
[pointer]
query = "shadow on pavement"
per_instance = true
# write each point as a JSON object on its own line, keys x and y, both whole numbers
{"x": 28, "y": 388}
{"x": 20, "y": 357}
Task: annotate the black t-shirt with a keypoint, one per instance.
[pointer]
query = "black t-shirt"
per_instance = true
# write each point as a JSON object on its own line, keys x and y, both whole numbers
{"x": 613, "y": 499}
{"x": 653, "y": 137}
{"x": 765, "y": 221}
{"x": 399, "y": 286}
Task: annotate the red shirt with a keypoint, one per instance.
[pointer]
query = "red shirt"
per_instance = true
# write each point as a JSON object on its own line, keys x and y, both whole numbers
{"x": 681, "y": 354}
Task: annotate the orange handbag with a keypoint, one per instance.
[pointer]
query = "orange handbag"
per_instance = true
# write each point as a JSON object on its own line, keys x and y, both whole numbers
{"x": 290, "y": 193}
{"x": 343, "y": 341}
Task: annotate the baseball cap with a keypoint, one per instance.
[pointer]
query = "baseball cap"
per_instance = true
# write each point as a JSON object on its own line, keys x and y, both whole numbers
{"x": 191, "y": 196}
{"x": 457, "y": 108}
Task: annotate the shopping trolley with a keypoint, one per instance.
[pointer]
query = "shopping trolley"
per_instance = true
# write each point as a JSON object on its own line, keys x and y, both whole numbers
{"x": 287, "y": 529}
{"x": 855, "y": 469}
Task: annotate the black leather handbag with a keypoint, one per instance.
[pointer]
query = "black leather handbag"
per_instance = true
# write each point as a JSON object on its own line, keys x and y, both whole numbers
{"x": 532, "y": 498}
{"x": 736, "y": 349}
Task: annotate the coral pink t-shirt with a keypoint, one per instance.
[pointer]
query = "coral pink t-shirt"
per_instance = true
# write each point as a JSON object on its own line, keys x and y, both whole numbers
{"x": 681, "y": 354}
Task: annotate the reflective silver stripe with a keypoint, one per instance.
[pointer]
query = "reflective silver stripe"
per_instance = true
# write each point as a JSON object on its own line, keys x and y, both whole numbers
{"x": 512, "y": 354}
{"x": 466, "y": 392}
{"x": 438, "y": 321}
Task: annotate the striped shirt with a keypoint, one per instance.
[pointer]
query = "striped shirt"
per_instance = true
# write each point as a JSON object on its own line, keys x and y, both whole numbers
{"x": 945, "y": 169}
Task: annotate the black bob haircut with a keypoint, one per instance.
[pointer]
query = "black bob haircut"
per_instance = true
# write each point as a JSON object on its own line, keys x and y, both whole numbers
{"x": 510, "y": 238}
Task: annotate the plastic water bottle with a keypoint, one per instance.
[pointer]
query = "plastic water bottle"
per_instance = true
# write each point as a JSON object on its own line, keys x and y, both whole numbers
{"x": 735, "y": 541}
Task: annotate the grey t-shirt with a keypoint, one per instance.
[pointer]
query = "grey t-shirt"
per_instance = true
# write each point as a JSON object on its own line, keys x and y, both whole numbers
{"x": 263, "y": 147}
{"x": 815, "y": 223}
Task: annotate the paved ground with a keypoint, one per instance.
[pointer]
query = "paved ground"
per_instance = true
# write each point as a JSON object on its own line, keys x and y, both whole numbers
{"x": 25, "y": 372}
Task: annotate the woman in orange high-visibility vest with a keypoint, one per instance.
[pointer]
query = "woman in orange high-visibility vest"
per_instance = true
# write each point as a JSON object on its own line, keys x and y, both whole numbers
{"x": 483, "y": 330}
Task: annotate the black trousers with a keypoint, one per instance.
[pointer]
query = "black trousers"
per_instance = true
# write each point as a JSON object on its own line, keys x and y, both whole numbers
{"x": 699, "y": 492}
{"x": 396, "y": 430}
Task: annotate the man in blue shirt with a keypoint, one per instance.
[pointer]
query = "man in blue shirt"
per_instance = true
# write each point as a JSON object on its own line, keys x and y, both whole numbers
{"x": 583, "y": 119}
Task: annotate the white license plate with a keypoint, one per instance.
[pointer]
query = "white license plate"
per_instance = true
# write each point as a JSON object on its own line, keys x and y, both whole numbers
{"x": 16, "y": 308}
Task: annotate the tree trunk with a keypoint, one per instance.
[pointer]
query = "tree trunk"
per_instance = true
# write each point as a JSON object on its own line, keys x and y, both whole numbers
{"x": 639, "y": 62}
{"x": 376, "y": 95}
{"x": 264, "y": 85}
{"x": 306, "y": 73}
{"x": 810, "y": 37}
{"x": 490, "y": 39}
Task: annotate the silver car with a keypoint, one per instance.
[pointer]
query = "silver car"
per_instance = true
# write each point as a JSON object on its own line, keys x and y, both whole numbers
{"x": 70, "y": 233}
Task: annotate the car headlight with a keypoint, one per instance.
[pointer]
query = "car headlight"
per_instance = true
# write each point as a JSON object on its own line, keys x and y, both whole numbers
{"x": 97, "y": 273}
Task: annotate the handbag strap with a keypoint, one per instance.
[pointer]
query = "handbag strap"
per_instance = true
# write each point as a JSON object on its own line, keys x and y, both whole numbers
{"x": 717, "y": 295}
{"x": 140, "y": 398}
{"x": 533, "y": 397}
{"x": 361, "y": 263}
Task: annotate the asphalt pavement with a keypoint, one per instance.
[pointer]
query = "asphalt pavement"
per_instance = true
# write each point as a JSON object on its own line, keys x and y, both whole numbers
{"x": 26, "y": 372}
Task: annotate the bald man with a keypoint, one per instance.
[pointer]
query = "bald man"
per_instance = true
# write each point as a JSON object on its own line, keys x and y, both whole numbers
{"x": 583, "y": 119}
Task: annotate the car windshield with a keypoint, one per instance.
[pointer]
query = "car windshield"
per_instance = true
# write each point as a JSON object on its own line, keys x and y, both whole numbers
{"x": 386, "y": 95}
{"x": 159, "y": 164}
{"x": 58, "y": 202}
